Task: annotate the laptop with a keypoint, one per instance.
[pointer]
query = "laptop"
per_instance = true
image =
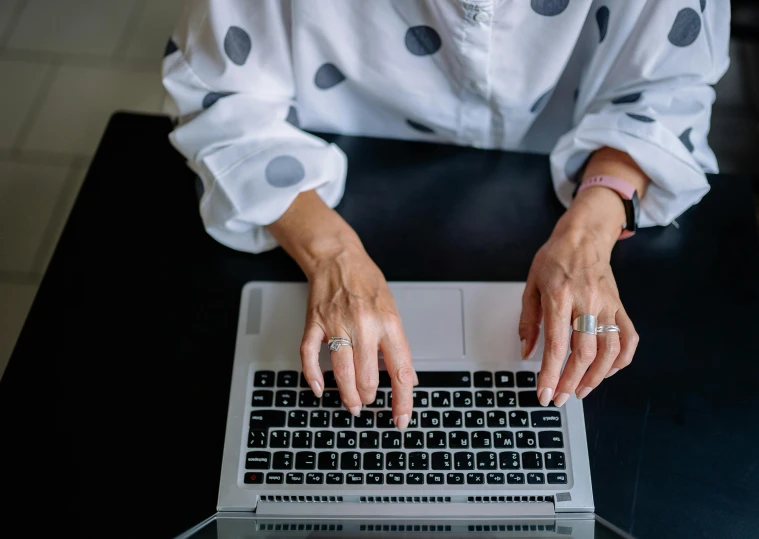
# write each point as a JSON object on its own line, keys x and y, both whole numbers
{"x": 480, "y": 453}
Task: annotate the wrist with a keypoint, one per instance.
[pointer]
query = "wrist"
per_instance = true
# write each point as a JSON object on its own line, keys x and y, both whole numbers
{"x": 597, "y": 212}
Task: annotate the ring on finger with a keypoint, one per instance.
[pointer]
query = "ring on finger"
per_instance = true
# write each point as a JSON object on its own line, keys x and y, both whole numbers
{"x": 336, "y": 342}
{"x": 608, "y": 328}
{"x": 585, "y": 323}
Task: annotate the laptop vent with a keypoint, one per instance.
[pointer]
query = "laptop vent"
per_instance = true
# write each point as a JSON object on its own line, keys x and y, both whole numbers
{"x": 300, "y": 527}
{"x": 404, "y": 528}
{"x": 301, "y": 499}
{"x": 512, "y": 528}
{"x": 508, "y": 499}
{"x": 405, "y": 499}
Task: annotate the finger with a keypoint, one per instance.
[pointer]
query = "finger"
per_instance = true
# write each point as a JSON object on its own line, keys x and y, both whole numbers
{"x": 313, "y": 337}
{"x": 345, "y": 375}
{"x": 365, "y": 361}
{"x": 529, "y": 321}
{"x": 584, "y": 351}
{"x": 608, "y": 350}
{"x": 628, "y": 341}
{"x": 556, "y": 314}
{"x": 402, "y": 376}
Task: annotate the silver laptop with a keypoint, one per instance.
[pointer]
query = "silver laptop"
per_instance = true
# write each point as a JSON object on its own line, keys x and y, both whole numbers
{"x": 480, "y": 450}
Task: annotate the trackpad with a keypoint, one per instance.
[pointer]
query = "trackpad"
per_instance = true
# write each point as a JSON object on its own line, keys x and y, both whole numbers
{"x": 433, "y": 321}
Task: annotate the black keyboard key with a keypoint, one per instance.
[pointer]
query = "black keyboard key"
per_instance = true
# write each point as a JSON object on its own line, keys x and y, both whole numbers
{"x": 341, "y": 419}
{"x": 413, "y": 440}
{"x": 421, "y": 399}
{"x": 525, "y": 439}
{"x": 275, "y": 478}
{"x": 526, "y": 379}
{"x": 307, "y": 399}
{"x": 285, "y": 398}
{"x": 301, "y": 439}
{"x": 495, "y": 478}
{"x": 384, "y": 379}
{"x": 385, "y": 420}
{"x": 391, "y": 439}
{"x": 474, "y": 419}
{"x": 430, "y": 419}
{"x": 497, "y": 419}
{"x": 481, "y": 439}
{"x": 263, "y": 379}
{"x": 258, "y": 460}
{"x": 287, "y": 379}
{"x": 441, "y": 399}
{"x": 484, "y": 399}
{"x": 350, "y": 460}
{"x": 331, "y": 399}
{"x": 483, "y": 379}
{"x": 506, "y": 399}
{"x": 503, "y": 438}
{"x": 303, "y": 381}
{"x": 444, "y": 379}
{"x": 319, "y": 419}
{"x": 462, "y": 399}
{"x": 455, "y": 478}
{"x": 283, "y": 460}
{"x": 452, "y": 419}
{"x": 297, "y": 418}
{"x": 474, "y": 478}
{"x": 487, "y": 460}
{"x": 414, "y": 421}
{"x": 515, "y": 478}
{"x": 529, "y": 399}
{"x": 518, "y": 419}
{"x": 314, "y": 478}
{"x": 374, "y": 460}
{"x": 364, "y": 420}
{"x": 436, "y": 439}
{"x": 257, "y": 438}
{"x": 557, "y": 479}
{"x": 279, "y": 439}
{"x": 324, "y": 439}
{"x": 263, "y": 398}
{"x": 265, "y": 419}
{"x": 458, "y": 439}
{"x": 551, "y": 419}
{"x": 463, "y": 460}
{"x": 418, "y": 460}
{"x": 532, "y": 460}
{"x": 253, "y": 478}
{"x": 334, "y": 478}
{"x": 294, "y": 478}
{"x": 375, "y": 479}
{"x": 441, "y": 460}
{"x": 555, "y": 460}
{"x": 369, "y": 440}
{"x": 354, "y": 479}
{"x": 504, "y": 379}
{"x": 508, "y": 460}
{"x": 534, "y": 478}
{"x": 435, "y": 479}
{"x": 551, "y": 439}
{"x": 415, "y": 478}
{"x": 346, "y": 439}
{"x": 395, "y": 460}
{"x": 328, "y": 460}
{"x": 329, "y": 380}
{"x": 305, "y": 460}
{"x": 379, "y": 400}
{"x": 394, "y": 478}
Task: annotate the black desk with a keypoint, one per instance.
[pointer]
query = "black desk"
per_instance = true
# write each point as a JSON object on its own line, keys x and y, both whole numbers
{"x": 112, "y": 410}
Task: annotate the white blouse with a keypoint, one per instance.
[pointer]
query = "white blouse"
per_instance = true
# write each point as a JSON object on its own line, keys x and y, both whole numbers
{"x": 564, "y": 77}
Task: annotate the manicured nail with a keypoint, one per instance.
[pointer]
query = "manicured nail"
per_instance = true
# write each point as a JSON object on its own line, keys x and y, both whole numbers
{"x": 355, "y": 410}
{"x": 524, "y": 348}
{"x": 545, "y": 396}
{"x": 560, "y": 399}
{"x": 612, "y": 372}
{"x": 584, "y": 392}
{"x": 401, "y": 421}
{"x": 316, "y": 387}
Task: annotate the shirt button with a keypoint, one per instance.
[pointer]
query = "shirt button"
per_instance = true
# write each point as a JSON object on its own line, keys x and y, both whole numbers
{"x": 482, "y": 16}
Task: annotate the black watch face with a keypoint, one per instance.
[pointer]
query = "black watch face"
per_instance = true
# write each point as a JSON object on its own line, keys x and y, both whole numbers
{"x": 632, "y": 208}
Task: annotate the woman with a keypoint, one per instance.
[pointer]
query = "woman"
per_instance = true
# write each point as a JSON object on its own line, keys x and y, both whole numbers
{"x": 618, "y": 91}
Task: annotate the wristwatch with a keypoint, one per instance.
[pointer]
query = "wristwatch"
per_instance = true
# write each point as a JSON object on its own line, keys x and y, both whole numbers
{"x": 629, "y": 198}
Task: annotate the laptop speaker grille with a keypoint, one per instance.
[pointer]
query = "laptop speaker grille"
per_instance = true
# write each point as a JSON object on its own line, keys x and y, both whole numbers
{"x": 405, "y": 499}
{"x": 405, "y": 528}
{"x": 302, "y": 499}
{"x": 508, "y": 499}
{"x": 299, "y": 527}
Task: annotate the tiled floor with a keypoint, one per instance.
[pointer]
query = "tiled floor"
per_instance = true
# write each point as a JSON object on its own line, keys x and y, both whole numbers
{"x": 66, "y": 65}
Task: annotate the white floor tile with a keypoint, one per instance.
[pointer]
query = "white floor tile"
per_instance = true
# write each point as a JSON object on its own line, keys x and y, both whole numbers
{"x": 28, "y": 197}
{"x": 15, "y": 301}
{"x": 72, "y": 26}
{"x": 7, "y": 7}
{"x": 21, "y": 84}
{"x": 80, "y": 102}
{"x": 156, "y": 24}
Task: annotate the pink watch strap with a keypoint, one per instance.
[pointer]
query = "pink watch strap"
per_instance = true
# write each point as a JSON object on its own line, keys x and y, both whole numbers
{"x": 620, "y": 186}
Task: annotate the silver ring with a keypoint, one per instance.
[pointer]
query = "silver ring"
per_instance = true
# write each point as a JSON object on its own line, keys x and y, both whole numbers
{"x": 609, "y": 328}
{"x": 336, "y": 342}
{"x": 585, "y": 323}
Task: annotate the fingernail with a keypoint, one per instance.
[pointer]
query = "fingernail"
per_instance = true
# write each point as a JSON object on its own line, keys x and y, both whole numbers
{"x": 524, "y": 348}
{"x": 545, "y": 396}
{"x": 316, "y": 387}
{"x": 416, "y": 379}
{"x": 584, "y": 392}
{"x": 401, "y": 421}
{"x": 560, "y": 399}
{"x": 355, "y": 410}
{"x": 612, "y": 372}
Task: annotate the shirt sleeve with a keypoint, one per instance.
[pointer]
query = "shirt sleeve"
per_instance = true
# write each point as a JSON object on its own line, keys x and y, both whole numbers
{"x": 647, "y": 92}
{"x": 228, "y": 72}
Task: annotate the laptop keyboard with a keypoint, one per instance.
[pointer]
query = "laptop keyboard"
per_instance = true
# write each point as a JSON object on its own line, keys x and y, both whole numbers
{"x": 482, "y": 428}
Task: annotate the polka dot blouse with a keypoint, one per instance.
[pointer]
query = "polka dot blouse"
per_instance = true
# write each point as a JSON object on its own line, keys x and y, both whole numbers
{"x": 561, "y": 77}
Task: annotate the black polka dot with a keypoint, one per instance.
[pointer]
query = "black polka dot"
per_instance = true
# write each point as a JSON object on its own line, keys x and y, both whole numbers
{"x": 629, "y": 98}
{"x": 212, "y": 97}
{"x": 422, "y": 40}
{"x": 171, "y": 48}
{"x": 284, "y": 171}
{"x": 542, "y": 100}
{"x": 602, "y": 18}
{"x": 575, "y": 164}
{"x": 549, "y": 8}
{"x": 640, "y": 117}
{"x": 419, "y": 127}
{"x": 237, "y": 45}
{"x": 292, "y": 117}
{"x": 703, "y": 5}
{"x": 328, "y": 76}
{"x": 686, "y": 28}
{"x": 685, "y": 139}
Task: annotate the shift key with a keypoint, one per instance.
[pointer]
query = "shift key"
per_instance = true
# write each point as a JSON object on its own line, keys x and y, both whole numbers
{"x": 264, "y": 419}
